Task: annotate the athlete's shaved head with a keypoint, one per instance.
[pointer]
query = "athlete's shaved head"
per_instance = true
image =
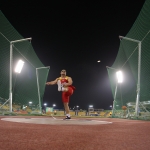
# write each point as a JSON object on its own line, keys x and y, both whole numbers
{"x": 63, "y": 70}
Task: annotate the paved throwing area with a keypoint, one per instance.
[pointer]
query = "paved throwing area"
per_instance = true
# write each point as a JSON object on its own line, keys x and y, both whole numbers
{"x": 56, "y": 121}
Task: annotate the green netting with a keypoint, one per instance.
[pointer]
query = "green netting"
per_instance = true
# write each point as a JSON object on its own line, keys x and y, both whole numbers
{"x": 24, "y": 85}
{"x": 127, "y": 62}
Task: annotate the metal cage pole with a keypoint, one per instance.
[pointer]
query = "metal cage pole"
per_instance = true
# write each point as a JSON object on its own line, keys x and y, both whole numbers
{"x": 114, "y": 99}
{"x": 138, "y": 83}
{"x": 139, "y": 72}
{"x": 38, "y": 87}
{"x": 10, "y": 78}
{"x": 38, "y": 90}
{"x": 10, "y": 74}
{"x": 113, "y": 108}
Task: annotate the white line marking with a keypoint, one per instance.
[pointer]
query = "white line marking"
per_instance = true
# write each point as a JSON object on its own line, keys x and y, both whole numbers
{"x": 53, "y": 117}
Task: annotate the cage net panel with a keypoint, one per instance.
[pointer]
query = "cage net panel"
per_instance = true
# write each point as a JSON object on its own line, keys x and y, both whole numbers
{"x": 127, "y": 62}
{"x": 24, "y": 85}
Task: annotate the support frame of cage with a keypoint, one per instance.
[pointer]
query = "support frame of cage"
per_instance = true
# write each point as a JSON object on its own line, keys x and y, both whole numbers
{"x": 38, "y": 87}
{"x": 139, "y": 72}
{"x": 113, "y": 107}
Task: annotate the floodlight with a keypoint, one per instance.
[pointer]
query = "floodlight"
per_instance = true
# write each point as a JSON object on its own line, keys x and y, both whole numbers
{"x": 119, "y": 76}
{"x": 19, "y": 66}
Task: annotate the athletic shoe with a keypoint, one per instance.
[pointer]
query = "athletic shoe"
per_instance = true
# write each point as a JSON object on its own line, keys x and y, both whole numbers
{"x": 67, "y": 118}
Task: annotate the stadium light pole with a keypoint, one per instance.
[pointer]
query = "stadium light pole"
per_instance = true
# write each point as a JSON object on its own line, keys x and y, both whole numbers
{"x": 139, "y": 72}
{"x": 90, "y": 108}
{"x": 119, "y": 80}
{"x": 11, "y": 65}
{"x": 45, "y": 104}
{"x": 30, "y": 103}
{"x": 54, "y": 105}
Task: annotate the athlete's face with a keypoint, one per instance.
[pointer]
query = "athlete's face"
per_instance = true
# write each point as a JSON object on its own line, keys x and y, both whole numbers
{"x": 63, "y": 72}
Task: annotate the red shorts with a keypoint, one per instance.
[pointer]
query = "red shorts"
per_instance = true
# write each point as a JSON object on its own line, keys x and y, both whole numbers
{"x": 66, "y": 95}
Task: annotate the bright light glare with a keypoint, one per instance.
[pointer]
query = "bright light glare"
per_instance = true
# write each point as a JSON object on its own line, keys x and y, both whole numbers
{"x": 98, "y": 61}
{"x": 45, "y": 104}
{"x": 30, "y": 102}
{"x": 54, "y": 105}
{"x": 119, "y": 76}
{"x": 19, "y": 66}
{"x": 91, "y": 106}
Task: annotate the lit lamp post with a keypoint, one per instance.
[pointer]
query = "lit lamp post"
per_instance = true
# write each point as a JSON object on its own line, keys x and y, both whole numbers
{"x": 53, "y": 109}
{"x": 54, "y": 105}
{"x": 76, "y": 112}
{"x": 110, "y": 106}
{"x": 45, "y": 106}
{"x": 90, "y": 108}
{"x": 119, "y": 80}
{"x": 30, "y": 103}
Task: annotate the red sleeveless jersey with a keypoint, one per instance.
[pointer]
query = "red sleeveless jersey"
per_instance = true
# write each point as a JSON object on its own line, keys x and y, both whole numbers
{"x": 65, "y": 80}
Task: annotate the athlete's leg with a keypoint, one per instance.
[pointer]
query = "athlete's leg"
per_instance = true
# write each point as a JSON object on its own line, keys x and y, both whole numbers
{"x": 65, "y": 99}
{"x": 66, "y": 109}
{"x": 69, "y": 89}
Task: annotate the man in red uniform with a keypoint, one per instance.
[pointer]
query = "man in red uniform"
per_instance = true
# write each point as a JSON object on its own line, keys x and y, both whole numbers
{"x": 65, "y": 85}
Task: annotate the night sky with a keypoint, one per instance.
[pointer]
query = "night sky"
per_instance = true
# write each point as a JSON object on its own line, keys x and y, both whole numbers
{"x": 73, "y": 35}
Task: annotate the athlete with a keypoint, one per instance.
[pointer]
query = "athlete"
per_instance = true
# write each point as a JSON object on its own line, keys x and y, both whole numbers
{"x": 65, "y": 85}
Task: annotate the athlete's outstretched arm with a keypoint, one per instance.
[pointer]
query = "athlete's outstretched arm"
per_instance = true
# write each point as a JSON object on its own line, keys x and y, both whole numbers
{"x": 52, "y": 82}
